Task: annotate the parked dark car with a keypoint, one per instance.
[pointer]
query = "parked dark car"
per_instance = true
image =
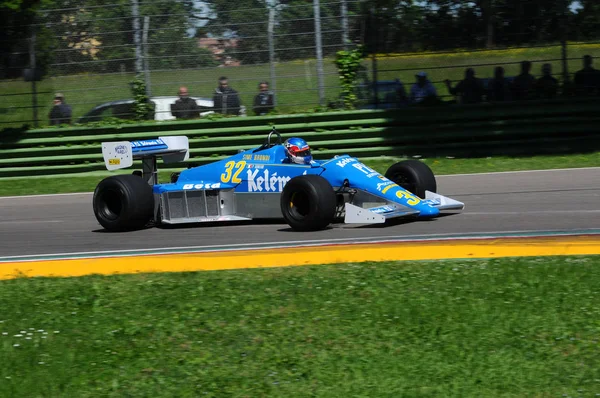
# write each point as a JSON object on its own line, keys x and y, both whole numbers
{"x": 387, "y": 93}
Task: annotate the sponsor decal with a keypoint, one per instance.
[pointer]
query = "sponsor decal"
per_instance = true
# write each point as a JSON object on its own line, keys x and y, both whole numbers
{"x": 266, "y": 181}
{"x": 382, "y": 209}
{"x": 215, "y": 185}
{"x": 384, "y": 190}
{"x": 114, "y": 162}
{"x": 382, "y": 185}
{"x": 382, "y": 177}
{"x": 121, "y": 149}
{"x": 367, "y": 170}
{"x": 264, "y": 158}
{"x": 345, "y": 161}
{"x": 144, "y": 143}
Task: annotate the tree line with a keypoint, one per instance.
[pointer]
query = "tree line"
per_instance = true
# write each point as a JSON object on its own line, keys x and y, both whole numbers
{"x": 97, "y": 35}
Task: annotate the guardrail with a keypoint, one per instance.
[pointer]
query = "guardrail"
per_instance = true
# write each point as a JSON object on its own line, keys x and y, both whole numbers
{"x": 566, "y": 125}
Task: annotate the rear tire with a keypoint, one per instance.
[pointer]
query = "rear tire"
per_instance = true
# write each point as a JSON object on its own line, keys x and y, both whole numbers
{"x": 123, "y": 202}
{"x": 414, "y": 176}
{"x": 308, "y": 203}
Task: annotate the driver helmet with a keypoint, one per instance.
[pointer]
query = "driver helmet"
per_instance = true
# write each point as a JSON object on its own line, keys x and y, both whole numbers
{"x": 297, "y": 150}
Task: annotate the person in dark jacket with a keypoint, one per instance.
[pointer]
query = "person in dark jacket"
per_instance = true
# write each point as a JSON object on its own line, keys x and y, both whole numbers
{"x": 498, "y": 88}
{"x": 523, "y": 86}
{"x": 60, "y": 112}
{"x": 226, "y": 100}
{"x": 264, "y": 101}
{"x": 185, "y": 107}
{"x": 546, "y": 86}
{"x": 587, "y": 80}
{"x": 470, "y": 90}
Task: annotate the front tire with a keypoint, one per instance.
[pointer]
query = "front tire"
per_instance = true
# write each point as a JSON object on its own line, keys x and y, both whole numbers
{"x": 414, "y": 176}
{"x": 123, "y": 202}
{"x": 308, "y": 203}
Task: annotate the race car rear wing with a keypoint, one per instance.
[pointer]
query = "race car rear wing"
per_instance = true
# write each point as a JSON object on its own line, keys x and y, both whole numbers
{"x": 120, "y": 155}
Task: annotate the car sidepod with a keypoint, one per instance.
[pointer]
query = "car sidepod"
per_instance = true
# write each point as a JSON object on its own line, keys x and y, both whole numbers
{"x": 245, "y": 186}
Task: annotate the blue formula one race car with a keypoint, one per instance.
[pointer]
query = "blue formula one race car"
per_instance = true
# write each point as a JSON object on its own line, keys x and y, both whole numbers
{"x": 276, "y": 180}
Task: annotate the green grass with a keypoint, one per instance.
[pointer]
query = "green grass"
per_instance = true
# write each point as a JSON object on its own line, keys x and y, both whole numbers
{"x": 297, "y": 84}
{"x": 471, "y": 328}
{"x": 440, "y": 166}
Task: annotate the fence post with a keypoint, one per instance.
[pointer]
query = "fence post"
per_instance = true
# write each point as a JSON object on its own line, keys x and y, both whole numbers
{"x": 273, "y": 83}
{"x": 136, "y": 36}
{"x": 345, "y": 40}
{"x": 374, "y": 48}
{"x": 319, "y": 46}
{"x": 565, "y": 64}
{"x": 146, "y": 64}
{"x": 32, "y": 62}
{"x": 563, "y": 44}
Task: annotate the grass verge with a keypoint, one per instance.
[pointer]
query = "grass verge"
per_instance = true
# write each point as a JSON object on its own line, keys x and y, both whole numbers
{"x": 440, "y": 166}
{"x": 471, "y": 328}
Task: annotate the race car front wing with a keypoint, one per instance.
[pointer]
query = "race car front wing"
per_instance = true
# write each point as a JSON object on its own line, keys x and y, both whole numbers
{"x": 380, "y": 214}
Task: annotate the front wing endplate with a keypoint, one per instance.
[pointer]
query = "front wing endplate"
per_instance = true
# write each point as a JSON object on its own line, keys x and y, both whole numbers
{"x": 358, "y": 215}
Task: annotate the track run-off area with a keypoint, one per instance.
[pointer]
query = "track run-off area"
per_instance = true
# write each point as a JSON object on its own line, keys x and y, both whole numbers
{"x": 528, "y": 213}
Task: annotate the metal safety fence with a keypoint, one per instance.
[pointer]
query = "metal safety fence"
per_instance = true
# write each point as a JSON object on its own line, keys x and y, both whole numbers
{"x": 91, "y": 50}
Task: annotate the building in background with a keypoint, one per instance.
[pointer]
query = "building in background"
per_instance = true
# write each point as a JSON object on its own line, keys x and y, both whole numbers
{"x": 220, "y": 47}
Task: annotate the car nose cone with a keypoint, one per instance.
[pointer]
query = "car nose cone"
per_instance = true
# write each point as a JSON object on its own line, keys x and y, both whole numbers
{"x": 429, "y": 211}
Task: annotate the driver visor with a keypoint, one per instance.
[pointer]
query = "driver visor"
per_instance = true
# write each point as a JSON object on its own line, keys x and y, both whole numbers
{"x": 302, "y": 153}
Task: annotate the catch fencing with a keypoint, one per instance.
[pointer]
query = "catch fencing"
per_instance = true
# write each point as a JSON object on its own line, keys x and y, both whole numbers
{"x": 91, "y": 53}
{"x": 91, "y": 50}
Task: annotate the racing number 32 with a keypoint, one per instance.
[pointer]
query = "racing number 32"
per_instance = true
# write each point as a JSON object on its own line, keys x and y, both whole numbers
{"x": 229, "y": 167}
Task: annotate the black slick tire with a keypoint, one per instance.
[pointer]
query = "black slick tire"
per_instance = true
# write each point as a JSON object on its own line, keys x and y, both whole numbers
{"x": 414, "y": 176}
{"x": 123, "y": 203}
{"x": 308, "y": 203}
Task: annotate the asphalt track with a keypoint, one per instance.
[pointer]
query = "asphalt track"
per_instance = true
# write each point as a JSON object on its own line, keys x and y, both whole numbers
{"x": 553, "y": 200}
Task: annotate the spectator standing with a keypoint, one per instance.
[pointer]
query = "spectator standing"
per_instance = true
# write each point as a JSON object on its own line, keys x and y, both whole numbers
{"x": 396, "y": 98}
{"x": 498, "y": 88}
{"x": 470, "y": 90}
{"x": 587, "y": 80}
{"x": 264, "y": 101}
{"x": 422, "y": 92}
{"x": 546, "y": 86}
{"x": 524, "y": 84}
{"x": 226, "y": 100}
{"x": 60, "y": 112}
{"x": 185, "y": 107}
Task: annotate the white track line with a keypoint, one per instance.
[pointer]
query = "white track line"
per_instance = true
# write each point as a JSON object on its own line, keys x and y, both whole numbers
{"x": 520, "y": 213}
{"x": 437, "y": 176}
{"x": 517, "y": 172}
{"x": 301, "y": 243}
{"x": 49, "y": 195}
{"x": 32, "y": 221}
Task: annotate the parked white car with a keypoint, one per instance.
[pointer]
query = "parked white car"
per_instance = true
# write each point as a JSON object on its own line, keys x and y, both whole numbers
{"x": 123, "y": 109}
